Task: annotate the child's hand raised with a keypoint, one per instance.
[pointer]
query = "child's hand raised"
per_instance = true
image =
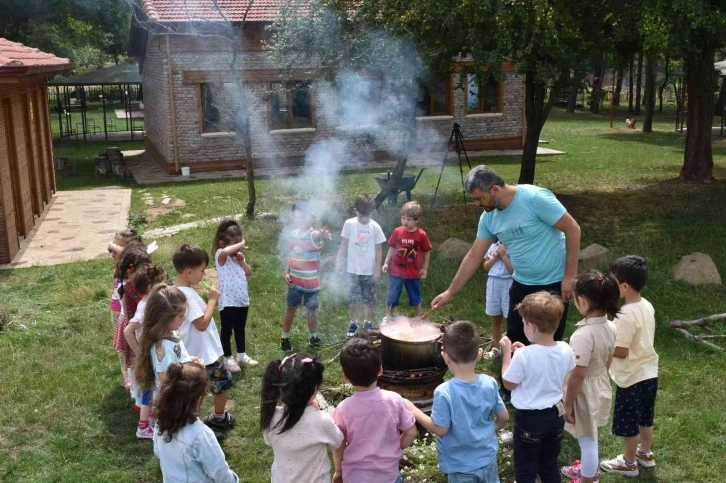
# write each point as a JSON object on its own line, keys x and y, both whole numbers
{"x": 506, "y": 345}
{"x": 213, "y": 294}
{"x": 517, "y": 345}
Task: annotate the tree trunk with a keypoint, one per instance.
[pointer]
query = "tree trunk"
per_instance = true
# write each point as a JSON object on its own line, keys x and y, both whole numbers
{"x": 251, "y": 191}
{"x": 618, "y": 88}
{"x": 536, "y": 110}
{"x": 574, "y": 91}
{"x": 596, "y": 98}
{"x": 409, "y": 143}
{"x": 638, "y": 83}
{"x": 649, "y": 94}
{"x": 663, "y": 85}
{"x": 718, "y": 110}
{"x": 700, "y": 82}
{"x": 630, "y": 86}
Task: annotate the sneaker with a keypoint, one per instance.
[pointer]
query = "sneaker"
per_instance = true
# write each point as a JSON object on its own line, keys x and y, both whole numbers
{"x": 137, "y": 409}
{"x": 145, "y": 433}
{"x": 352, "y": 330}
{"x": 506, "y": 437}
{"x": 386, "y": 319}
{"x": 572, "y": 471}
{"x": 619, "y": 466}
{"x": 368, "y": 326}
{"x": 247, "y": 361}
{"x": 647, "y": 460}
{"x": 315, "y": 342}
{"x": 232, "y": 365}
{"x": 226, "y": 423}
{"x": 285, "y": 345}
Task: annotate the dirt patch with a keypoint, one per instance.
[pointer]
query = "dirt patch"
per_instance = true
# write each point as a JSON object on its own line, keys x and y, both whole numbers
{"x": 155, "y": 212}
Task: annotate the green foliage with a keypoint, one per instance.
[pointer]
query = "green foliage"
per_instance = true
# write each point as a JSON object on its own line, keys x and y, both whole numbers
{"x": 137, "y": 219}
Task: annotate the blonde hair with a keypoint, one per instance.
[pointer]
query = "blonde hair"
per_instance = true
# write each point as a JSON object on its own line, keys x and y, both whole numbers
{"x": 543, "y": 310}
{"x": 412, "y": 210}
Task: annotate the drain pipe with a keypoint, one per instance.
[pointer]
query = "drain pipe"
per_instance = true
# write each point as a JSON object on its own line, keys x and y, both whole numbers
{"x": 171, "y": 105}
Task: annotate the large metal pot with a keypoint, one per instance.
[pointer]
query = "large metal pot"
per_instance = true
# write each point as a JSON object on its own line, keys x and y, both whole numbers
{"x": 401, "y": 355}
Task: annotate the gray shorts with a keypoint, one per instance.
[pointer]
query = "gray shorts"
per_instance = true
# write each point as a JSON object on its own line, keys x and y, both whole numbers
{"x": 497, "y": 296}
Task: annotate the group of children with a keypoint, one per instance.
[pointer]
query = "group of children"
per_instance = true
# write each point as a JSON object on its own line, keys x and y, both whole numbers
{"x": 171, "y": 356}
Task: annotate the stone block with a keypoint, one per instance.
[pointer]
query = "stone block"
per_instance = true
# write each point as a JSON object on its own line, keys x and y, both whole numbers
{"x": 697, "y": 269}
{"x": 594, "y": 257}
{"x": 454, "y": 248}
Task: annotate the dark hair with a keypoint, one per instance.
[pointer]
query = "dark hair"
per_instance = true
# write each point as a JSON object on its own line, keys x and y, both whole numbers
{"x": 163, "y": 305}
{"x": 226, "y": 231}
{"x": 189, "y": 256}
{"x": 542, "y": 309}
{"x": 129, "y": 235}
{"x": 631, "y": 270}
{"x": 132, "y": 258}
{"x": 601, "y": 291}
{"x": 360, "y": 361}
{"x": 147, "y": 276}
{"x": 365, "y": 204}
{"x": 180, "y": 396}
{"x": 293, "y": 381}
{"x": 461, "y": 342}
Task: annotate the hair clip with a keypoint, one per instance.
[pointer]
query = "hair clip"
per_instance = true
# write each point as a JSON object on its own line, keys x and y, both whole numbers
{"x": 282, "y": 362}
{"x": 307, "y": 360}
{"x": 131, "y": 267}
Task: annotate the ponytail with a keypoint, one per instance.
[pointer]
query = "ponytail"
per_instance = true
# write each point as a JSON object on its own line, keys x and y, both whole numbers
{"x": 270, "y": 394}
{"x": 601, "y": 291}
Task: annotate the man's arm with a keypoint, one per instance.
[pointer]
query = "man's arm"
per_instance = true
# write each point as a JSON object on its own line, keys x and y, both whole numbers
{"x": 571, "y": 229}
{"x": 467, "y": 269}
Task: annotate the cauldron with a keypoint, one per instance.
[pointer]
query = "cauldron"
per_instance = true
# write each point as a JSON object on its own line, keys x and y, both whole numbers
{"x": 401, "y": 355}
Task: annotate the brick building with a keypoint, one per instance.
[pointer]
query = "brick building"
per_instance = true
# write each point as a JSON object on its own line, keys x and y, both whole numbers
{"x": 27, "y": 177}
{"x": 186, "y": 78}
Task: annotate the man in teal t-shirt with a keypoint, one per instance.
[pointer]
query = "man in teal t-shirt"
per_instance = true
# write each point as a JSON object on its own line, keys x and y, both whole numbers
{"x": 543, "y": 241}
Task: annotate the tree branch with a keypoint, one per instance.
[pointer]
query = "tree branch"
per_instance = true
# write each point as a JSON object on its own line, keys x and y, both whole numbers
{"x": 694, "y": 338}
{"x": 682, "y": 324}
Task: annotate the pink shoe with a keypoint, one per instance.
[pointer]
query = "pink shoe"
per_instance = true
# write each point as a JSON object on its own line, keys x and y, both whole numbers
{"x": 232, "y": 365}
{"x": 572, "y": 471}
{"x": 146, "y": 433}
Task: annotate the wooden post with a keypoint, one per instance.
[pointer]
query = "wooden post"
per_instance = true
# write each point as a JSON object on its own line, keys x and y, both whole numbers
{"x": 171, "y": 106}
{"x": 612, "y": 101}
{"x": 103, "y": 103}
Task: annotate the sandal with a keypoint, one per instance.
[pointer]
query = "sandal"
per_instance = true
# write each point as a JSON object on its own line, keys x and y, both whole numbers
{"x": 494, "y": 353}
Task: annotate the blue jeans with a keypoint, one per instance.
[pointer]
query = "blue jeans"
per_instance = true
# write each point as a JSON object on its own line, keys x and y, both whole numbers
{"x": 537, "y": 442}
{"x": 487, "y": 474}
{"x": 395, "y": 287}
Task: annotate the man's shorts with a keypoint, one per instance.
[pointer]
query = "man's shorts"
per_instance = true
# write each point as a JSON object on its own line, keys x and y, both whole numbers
{"x": 295, "y": 297}
{"x": 497, "y": 296}
{"x": 220, "y": 379}
{"x": 634, "y": 407}
{"x": 362, "y": 289}
{"x": 395, "y": 287}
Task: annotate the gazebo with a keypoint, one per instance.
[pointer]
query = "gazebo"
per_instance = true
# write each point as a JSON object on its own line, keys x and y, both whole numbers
{"x": 101, "y": 105}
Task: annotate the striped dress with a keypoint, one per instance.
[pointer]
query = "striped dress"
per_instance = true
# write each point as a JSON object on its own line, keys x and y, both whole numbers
{"x": 304, "y": 261}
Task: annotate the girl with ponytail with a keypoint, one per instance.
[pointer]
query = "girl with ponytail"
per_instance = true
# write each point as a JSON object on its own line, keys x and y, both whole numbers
{"x": 187, "y": 449}
{"x": 588, "y": 396}
{"x": 299, "y": 433}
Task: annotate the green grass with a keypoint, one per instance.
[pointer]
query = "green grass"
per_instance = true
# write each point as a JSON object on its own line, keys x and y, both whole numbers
{"x": 83, "y": 155}
{"x": 93, "y": 111}
{"x": 66, "y": 418}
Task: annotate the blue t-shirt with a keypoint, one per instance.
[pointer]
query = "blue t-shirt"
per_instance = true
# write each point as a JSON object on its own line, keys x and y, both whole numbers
{"x": 466, "y": 408}
{"x": 536, "y": 248}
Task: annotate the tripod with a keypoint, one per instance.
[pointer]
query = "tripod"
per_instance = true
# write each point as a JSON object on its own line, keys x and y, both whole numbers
{"x": 458, "y": 139}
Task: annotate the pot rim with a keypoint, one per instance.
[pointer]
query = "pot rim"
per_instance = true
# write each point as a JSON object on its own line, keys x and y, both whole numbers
{"x": 411, "y": 342}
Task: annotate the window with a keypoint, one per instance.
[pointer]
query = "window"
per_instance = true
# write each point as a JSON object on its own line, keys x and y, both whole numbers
{"x": 482, "y": 97}
{"x": 218, "y": 106}
{"x": 359, "y": 97}
{"x": 291, "y": 105}
{"x": 435, "y": 100}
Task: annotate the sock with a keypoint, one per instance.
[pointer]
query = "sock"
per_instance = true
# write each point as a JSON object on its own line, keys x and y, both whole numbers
{"x": 143, "y": 424}
{"x": 219, "y": 417}
{"x": 241, "y": 355}
{"x": 629, "y": 463}
{"x": 313, "y": 334}
{"x": 285, "y": 335}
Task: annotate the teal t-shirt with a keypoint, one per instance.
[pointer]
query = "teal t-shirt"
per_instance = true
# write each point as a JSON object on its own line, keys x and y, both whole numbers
{"x": 536, "y": 248}
{"x": 466, "y": 408}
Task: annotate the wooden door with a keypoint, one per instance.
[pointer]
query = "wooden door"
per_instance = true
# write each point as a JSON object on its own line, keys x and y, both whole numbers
{"x": 14, "y": 170}
{"x": 30, "y": 155}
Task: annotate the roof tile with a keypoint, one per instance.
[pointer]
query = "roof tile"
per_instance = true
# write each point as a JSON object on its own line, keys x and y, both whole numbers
{"x": 17, "y": 59}
{"x": 168, "y": 11}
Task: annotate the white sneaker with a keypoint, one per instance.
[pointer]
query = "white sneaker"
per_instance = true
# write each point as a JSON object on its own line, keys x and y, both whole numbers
{"x": 247, "y": 361}
{"x": 619, "y": 466}
{"x": 647, "y": 460}
{"x": 232, "y": 365}
{"x": 146, "y": 433}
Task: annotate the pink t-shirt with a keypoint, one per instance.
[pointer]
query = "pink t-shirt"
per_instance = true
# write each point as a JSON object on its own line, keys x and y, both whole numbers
{"x": 371, "y": 422}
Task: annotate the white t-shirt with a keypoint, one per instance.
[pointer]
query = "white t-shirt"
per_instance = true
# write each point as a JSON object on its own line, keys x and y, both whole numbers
{"x": 540, "y": 372}
{"x": 635, "y": 331}
{"x": 138, "y": 318}
{"x": 203, "y": 344}
{"x": 232, "y": 283}
{"x": 362, "y": 241}
{"x": 301, "y": 453}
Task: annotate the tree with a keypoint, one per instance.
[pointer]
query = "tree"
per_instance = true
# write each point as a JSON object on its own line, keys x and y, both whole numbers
{"x": 650, "y": 67}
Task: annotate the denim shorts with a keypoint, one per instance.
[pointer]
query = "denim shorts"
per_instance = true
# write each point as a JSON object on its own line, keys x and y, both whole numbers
{"x": 487, "y": 474}
{"x": 295, "y": 297}
{"x": 634, "y": 407}
{"x": 362, "y": 289}
{"x": 220, "y": 379}
{"x": 395, "y": 287}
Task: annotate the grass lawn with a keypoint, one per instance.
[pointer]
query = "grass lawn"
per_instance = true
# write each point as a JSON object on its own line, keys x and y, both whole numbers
{"x": 94, "y": 112}
{"x": 67, "y": 418}
{"x": 83, "y": 155}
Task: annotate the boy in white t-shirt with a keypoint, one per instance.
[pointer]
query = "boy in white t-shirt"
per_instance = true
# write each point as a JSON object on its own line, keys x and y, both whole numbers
{"x": 634, "y": 369}
{"x": 536, "y": 377}
{"x": 199, "y": 332}
{"x": 362, "y": 240}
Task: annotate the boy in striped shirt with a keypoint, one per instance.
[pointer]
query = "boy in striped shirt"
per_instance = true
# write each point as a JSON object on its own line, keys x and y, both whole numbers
{"x": 302, "y": 274}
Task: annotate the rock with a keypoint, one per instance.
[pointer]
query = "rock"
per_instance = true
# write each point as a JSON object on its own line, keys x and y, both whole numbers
{"x": 595, "y": 257}
{"x": 166, "y": 201}
{"x": 454, "y": 248}
{"x": 697, "y": 269}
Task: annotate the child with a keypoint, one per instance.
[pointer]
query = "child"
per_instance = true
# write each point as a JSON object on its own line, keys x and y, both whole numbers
{"x": 234, "y": 299}
{"x": 461, "y": 417}
{"x": 634, "y": 369}
{"x": 499, "y": 281}
{"x": 115, "y": 248}
{"x": 186, "y": 448}
{"x": 146, "y": 278}
{"x": 132, "y": 258}
{"x": 409, "y": 249}
{"x": 302, "y": 275}
{"x": 588, "y": 394}
{"x": 362, "y": 238}
{"x": 376, "y": 423}
{"x": 199, "y": 332}
{"x": 535, "y": 375}
{"x": 299, "y": 433}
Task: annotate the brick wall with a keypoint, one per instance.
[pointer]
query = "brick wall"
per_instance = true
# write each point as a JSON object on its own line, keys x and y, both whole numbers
{"x": 274, "y": 148}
